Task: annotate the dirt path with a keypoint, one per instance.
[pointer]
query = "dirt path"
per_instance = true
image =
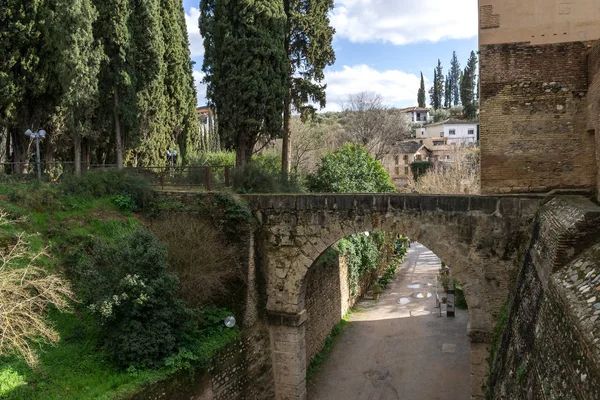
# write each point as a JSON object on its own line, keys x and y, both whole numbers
{"x": 398, "y": 347}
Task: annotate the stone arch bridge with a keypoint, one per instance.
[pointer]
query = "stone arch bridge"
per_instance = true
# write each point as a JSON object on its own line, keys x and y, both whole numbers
{"x": 482, "y": 238}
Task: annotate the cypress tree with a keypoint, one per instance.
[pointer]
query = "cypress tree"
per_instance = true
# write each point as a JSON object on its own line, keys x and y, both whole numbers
{"x": 153, "y": 137}
{"x": 434, "y": 97}
{"x": 117, "y": 73}
{"x": 448, "y": 92}
{"x": 246, "y": 69}
{"x": 79, "y": 56}
{"x": 439, "y": 84}
{"x": 421, "y": 93}
{"x": 309, "y": 51}
{"x": 468, "y": 87}
{"x": 28, "y": 91}
{"x": 182, "y": 120}
{"x": 454, "y": 76}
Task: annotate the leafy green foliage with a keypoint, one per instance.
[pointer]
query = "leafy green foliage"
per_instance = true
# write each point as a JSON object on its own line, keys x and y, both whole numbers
{"x": 125, "y": 203}
{"x": 110, "y": 182}
{"x": 363, "y": 256}
{"x": 129, "y": 288}
{"x": 350, "y": 169}
{"x": 420, "y": 168}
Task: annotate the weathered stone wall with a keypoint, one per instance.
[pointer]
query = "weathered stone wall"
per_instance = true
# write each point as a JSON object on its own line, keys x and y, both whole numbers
{"x": 328, "y": 299}
{"x": 593, "y": 105}
{"x": 533, "y": 118}
{"x": 550, "y": 347}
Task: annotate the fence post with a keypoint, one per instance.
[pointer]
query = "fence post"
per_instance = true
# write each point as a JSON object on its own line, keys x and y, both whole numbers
{"x": 207, "y": 177}
{"x": 227, "y": 175}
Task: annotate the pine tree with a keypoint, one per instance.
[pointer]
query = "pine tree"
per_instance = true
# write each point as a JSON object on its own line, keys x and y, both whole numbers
{"x": 454, "y": 76}
{"x": 468, "y": 87}
{"x": 421, "y": 93}
{"x": 309, "y": 50}
{"x": 79, "y": 56}
{"x": 246, "y": 69}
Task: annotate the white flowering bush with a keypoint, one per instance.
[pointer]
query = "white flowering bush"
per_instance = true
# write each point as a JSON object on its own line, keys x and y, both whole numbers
{"x": 128, "y": 288}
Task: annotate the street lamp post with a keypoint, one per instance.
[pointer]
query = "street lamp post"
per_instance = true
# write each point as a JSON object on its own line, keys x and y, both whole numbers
{"x": 172, "y": 157}
{"x": 41, "y": 134}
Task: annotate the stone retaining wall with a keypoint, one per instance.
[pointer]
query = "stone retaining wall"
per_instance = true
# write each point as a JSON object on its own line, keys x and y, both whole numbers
{"x": 550, "y": 347}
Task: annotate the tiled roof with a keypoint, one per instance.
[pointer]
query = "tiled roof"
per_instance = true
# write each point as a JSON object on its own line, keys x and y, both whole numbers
{"x": 414, "y": 109}
{"x": 409, "y": 147}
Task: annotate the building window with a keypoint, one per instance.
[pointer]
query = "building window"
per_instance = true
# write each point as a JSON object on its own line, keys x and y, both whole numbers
{"x": 418, "y": 158}
{"x": 422, "y": 132}
{"x": 406, "y": 159}
{"x": 452, "y": 132}
{"x": 397, "y": 160}
{"x": 438, "y": 142}
{"x": 418, "y": 116}
{"x": 471, "y": 131}
{"x": 406, "y": 171}
{"x": 397, "y": 170}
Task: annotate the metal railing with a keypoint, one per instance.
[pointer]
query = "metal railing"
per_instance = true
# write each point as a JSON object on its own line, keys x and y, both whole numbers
{"x": 210, "y": 177}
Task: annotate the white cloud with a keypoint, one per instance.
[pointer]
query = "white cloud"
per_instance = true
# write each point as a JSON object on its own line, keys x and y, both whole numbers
{"x": 401, "y": 21}
{"x": 196, "y": 42}
{"x": 397, "y": 88}
{"x": 200, "y": 87}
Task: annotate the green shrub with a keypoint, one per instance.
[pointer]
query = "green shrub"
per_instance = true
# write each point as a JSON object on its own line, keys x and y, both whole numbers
{"x": 260, "y": 177}
{"x": 350, "y": 169}
{"x": 109, "y": 182}
{"x": 128, "y": 287}
{"x": 125, "y": 203}
{"x": 214, "y": 159}
{"x": 36, "y": 196}
{"x": 420, "y": 168}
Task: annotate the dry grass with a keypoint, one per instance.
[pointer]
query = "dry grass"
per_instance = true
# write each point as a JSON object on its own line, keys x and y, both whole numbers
{"x": 462, "y": 176}
{"x": 26, "y": 290}
{"x": 205, "y": 264}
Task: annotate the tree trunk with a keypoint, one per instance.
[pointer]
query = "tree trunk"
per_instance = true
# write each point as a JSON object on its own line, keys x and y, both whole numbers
{"x": 9, "y": 158}
{"x": 286, "y": 151}
{"x": 77, "y": 154}
{"x": 243, "y": 151}
{"x": 118, "y": 137}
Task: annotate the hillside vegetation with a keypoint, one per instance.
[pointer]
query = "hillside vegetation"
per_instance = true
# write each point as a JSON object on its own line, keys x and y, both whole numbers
{"x": 116, "y": 322}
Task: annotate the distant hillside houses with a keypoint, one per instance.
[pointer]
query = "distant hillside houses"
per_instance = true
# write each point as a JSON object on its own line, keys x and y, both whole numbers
{"x": 416, "y": 115}
{"x": 456, "y": 131}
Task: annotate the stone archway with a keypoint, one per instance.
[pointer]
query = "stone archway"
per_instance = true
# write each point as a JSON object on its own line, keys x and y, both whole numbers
{"x": 481, "y": 237}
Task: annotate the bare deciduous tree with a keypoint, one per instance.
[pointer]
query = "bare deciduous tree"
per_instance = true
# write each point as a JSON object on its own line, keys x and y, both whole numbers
{"x": 25, "y": 293}
{"x": 370, "y": 123}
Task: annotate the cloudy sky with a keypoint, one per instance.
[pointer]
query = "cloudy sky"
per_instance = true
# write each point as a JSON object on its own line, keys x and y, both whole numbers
{"x": 380, "y": 45}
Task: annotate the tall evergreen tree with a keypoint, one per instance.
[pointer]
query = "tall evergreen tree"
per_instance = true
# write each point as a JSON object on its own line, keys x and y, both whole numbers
{"x": 433, "y": 92}
{"x": 246, "y": 69}
{"x": 438, "y": 85}
{"x": 182, "y": 120}
{"x": 454, "y": 76}
{"x": 28, "y": 88}
{"x": 448, "y": 92}
{"x": 79, "y": 56}
{"x": 468, "y": 87}
{"x": 421, "y": 93}
{"x": 148, "y": 56}
{"x": 309, "y": 51}
{"x": 117, "y": 78}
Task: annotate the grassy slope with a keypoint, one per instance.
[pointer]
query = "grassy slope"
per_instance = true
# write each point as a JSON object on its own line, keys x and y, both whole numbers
{"x": 76, "y": 367}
